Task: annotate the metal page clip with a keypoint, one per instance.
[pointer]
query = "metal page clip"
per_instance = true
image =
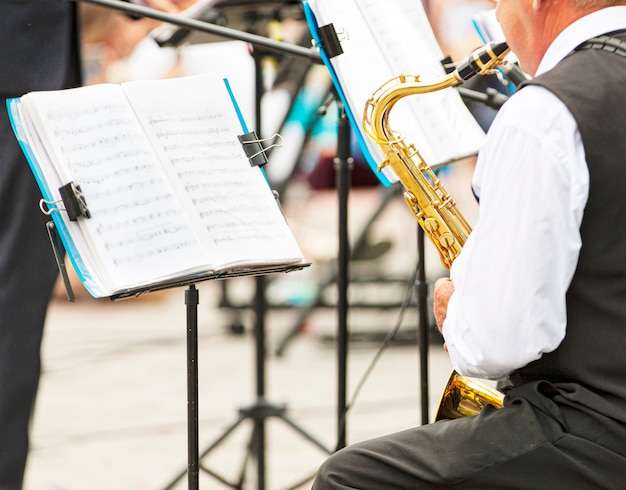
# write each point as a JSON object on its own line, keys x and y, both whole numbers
{"x": 330, "y": 41}
{"x": 254, "y": 149}
{"x": 73, "y": 200}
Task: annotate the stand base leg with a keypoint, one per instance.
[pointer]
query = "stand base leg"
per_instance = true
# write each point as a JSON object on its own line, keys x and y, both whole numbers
{"x": 258, "y": 413}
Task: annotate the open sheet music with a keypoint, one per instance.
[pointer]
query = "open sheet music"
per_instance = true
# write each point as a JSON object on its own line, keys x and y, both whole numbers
{"x": 168, "y": 187}
{"x": 380, "y": 41}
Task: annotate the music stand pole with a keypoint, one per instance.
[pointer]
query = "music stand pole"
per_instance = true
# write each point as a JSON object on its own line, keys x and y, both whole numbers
{"x": 260, "y": 308}
{"x": 271, "y": 45}
{"x": 261, "y": 409}
{"x": 422, "y": 309}
{"x": 343, "y": 167}
{"x": 191, "y": 302}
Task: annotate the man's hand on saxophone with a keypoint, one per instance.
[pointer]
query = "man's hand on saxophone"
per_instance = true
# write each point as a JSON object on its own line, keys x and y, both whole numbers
{"x": 444, "y": 287}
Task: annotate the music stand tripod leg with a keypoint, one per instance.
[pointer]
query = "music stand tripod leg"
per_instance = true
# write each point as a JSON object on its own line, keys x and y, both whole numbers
{"x": 259, "y": 411}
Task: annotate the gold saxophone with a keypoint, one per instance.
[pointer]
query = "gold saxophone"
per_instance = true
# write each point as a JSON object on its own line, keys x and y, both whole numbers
{"x": 429, "y": 201}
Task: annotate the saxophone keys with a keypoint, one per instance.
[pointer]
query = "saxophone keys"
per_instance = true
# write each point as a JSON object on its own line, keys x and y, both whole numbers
{"x": 410, "y": 199}
{"x": 431, "y": 225}
{"x": 447, "y": 240}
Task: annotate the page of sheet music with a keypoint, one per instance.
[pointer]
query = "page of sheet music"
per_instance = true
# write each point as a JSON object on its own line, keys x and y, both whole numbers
{"x": 382, "y": 40}
{"x": 49, "y": 181}
{"x": 194, "y": 128}
{"x": 137, "y": 227}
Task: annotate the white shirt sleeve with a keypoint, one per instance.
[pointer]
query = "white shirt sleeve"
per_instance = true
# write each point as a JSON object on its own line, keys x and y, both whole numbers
{"x": 514, "y": 270}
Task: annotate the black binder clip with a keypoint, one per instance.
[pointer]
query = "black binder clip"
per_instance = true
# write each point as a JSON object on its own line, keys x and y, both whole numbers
{"x": 330, "y": 40}
{"x": 74, "y": 201}
{"x": 254, "y": 149}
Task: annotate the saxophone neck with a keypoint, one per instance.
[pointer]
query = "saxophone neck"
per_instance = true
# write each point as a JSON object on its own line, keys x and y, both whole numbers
{"x": 482, "y": 61}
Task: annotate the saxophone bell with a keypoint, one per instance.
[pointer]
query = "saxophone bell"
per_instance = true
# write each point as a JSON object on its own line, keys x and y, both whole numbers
{"x": 466, "y": 397}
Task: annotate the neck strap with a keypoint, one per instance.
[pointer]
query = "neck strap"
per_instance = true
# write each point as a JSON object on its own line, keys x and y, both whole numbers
{"x": 605, "y": 43}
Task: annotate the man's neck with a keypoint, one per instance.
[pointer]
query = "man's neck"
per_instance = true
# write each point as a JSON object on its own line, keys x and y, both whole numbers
{"x": 555, "y": 18}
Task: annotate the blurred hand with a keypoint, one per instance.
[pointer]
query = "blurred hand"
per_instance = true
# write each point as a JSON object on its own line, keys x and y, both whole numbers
{"x": 163, "y": 5}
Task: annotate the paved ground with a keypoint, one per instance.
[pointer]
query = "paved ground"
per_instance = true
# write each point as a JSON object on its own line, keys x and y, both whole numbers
{"x": 111, "y": 414}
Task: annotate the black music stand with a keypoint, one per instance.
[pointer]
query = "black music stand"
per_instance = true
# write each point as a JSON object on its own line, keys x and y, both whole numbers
{"x": 261, "y": 409}
{"x": 258, "y": 411}
{"x": 191, "y": 302}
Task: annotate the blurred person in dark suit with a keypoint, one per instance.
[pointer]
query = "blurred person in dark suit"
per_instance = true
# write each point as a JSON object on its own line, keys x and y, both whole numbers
{"x": 39, "y": 50}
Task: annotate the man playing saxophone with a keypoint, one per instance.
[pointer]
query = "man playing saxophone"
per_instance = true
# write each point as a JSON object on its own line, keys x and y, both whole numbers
{"x": 538, "y": 292}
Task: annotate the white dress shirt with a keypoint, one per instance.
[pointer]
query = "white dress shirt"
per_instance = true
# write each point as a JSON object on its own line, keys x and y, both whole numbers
{"x": 514, "y": 270}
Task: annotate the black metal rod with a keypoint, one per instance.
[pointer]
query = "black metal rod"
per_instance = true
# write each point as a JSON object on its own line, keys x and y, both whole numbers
{"x": 422, "y": 305}
{"x": 491, "y": 97}
{"x": 227, "y": 32}
{"x": 191, "y": 301}
{"x": 260, "y": 307}
{"x": 343, "y": 167}
{"x": 258, "y": 440}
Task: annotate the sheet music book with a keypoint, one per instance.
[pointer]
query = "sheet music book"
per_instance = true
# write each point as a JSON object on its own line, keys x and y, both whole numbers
{"x": 380, "y": 41}
{"x": 160, "y": 168}
{"x": 487, "y": 26}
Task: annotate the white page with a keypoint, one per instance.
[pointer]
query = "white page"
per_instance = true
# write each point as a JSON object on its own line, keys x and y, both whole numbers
{"x": 194, "y": 129}
{"x": 49, "y": 182}
{"x": 137, "y": 228}
{"x": 81, "y": 256}
{"x": 382, "y": 40}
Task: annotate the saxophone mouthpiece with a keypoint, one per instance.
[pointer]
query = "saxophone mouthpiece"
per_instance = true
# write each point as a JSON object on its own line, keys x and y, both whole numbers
{"x": 480, "y": 60}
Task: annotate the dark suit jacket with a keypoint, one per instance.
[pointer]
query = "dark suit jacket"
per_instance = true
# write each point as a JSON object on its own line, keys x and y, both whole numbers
{"x": 38, "y": 51}
{"x": 38, "y": 46}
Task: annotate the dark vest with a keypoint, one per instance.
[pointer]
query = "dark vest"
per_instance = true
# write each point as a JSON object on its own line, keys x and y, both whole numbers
{"x": 591, "y": 360}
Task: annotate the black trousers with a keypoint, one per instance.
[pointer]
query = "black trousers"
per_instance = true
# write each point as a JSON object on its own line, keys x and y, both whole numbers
{"x": 526, "y": 445}
{"x": 27, "y": 275}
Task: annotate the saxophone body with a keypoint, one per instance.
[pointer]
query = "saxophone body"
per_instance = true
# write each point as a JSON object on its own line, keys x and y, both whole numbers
{"x": 425, "y": 196}
{"x": 434, "y": 209}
